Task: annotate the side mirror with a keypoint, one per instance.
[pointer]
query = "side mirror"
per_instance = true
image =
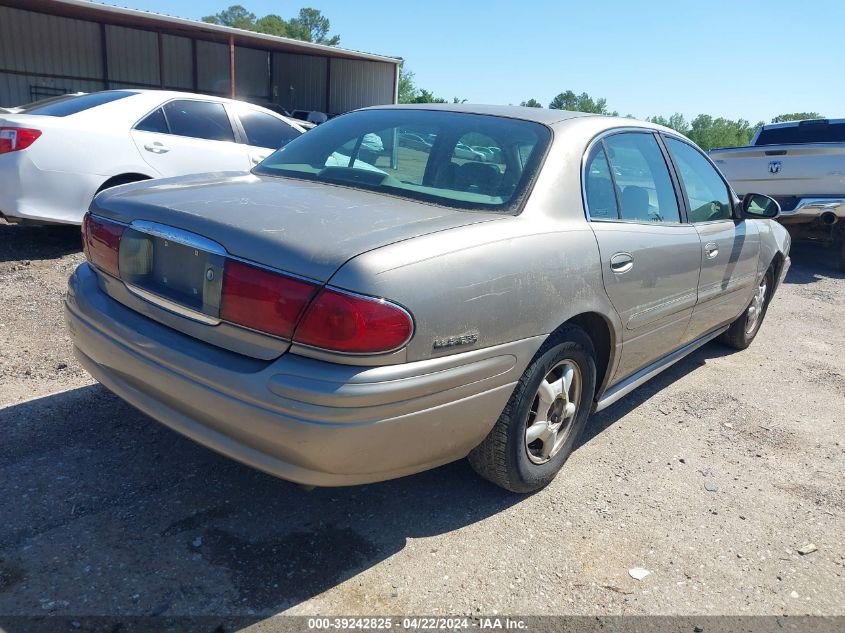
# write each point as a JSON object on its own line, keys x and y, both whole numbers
{"x": 756, "y": 206}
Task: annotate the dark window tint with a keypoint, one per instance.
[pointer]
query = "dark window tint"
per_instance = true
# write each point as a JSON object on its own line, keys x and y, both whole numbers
{"x": 199, "y": 119}
{"x": 645, "y": 188}
{"x": 707, "y": 195}
{"x": 73, "y": 104}
{"x": 154, "y": 122}
{"x": 601, "y": 201}
{"x": 414, "y": 154}
{"x": 263, "y": 130}
{"x": 807, "y": 132}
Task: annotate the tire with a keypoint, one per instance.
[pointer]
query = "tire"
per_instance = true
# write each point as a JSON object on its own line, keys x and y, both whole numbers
{"x": 508, "y": 456}
{"x": 742, "y": 331}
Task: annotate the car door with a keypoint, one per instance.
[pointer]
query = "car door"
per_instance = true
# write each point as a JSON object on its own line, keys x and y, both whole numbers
{"x": 730, "y": 247}
{"x": 189, "y": 136}
{"x": 650, "y": 256}
{"x": 262, "y": 132}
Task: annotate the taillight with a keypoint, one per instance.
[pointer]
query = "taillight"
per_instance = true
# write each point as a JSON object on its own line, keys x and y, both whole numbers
{"x": 101, "y": 243}
{"x": 350, "y": 323}
{"x": 263, "y": 300}
{"x": 14, "y": 139}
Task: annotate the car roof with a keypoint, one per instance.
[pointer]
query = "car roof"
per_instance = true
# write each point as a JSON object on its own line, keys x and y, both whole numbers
{"x": 540, "y": 115}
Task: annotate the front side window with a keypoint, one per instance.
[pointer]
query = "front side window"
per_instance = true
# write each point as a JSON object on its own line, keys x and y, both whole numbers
{"x": 199, "y": 119}
{"x": 707, "y": 195}
{"x": 645, "y": 189}
{"x": 461, "y": 160}
{"x": 264, "y": 130}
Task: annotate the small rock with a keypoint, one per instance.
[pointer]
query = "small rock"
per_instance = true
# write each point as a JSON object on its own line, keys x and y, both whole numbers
{"x": 61, "y": 366}
{"x": 197, "y": 542}
{"x": 682, "y": 460}
{"x": 794, "y": 595}
{"x": 809, "y": 548}
{"x": 638, "y": 573}
{"x": 711, "y": 486}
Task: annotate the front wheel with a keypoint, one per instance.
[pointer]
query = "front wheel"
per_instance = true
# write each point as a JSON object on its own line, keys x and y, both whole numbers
{"x": 544, "y": 417}
{"x": 745, "y": 328}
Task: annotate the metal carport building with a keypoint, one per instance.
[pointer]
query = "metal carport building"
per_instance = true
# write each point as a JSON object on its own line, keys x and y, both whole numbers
{"x": 50, "y": 47}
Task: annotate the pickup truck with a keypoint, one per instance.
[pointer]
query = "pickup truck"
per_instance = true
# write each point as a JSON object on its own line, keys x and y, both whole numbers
{"x": 801, "y": 164}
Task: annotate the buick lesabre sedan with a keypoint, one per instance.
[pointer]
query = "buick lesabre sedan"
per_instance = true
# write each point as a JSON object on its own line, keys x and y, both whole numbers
{"x": 358, "y": 308}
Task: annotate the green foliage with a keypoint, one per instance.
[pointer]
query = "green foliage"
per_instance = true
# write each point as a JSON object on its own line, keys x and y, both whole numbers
{"x": 410, "y": 93}
{"x": 579, "y": 103}
{"x": 531, "y": 103}
{"x": 310, "y": 25}
{"x": 796, "y": 116}
{"x": 235, "y": 16}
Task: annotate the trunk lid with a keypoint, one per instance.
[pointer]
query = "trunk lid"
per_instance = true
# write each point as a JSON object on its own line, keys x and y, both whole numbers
{"x": 300, "y": 227}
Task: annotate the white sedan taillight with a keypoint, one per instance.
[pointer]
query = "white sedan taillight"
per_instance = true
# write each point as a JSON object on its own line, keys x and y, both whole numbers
{"x": 14, "y": 139}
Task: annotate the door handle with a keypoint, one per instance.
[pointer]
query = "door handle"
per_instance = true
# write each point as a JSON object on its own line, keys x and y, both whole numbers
{"x": 156, "y": 148}
{"x": 621, "y": 263}
{"x": 255, "y": 159}
{"x": 711, "y": 249}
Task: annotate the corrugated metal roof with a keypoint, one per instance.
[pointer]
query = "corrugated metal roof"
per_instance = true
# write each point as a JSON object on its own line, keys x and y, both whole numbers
{"x": 86, "y": 10}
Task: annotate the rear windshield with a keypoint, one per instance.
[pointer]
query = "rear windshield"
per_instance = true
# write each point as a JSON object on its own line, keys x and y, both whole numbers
{"x": 466, "y": 161}
{"x": 71, "y": 104}
{"x": 809, "y": 132}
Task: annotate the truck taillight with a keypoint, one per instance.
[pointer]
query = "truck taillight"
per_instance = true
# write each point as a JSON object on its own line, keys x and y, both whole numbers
{"x": 262, "y": 299}
{"x": 350, "y": 323}
{"x": 101, "y": 243}
{"x": 14, "y": 139}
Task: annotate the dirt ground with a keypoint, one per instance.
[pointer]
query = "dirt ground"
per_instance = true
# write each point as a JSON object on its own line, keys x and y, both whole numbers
{"x": 711, "y": 477}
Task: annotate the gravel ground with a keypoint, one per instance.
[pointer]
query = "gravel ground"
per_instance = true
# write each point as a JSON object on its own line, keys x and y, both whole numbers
{"x": 711, "y": 477}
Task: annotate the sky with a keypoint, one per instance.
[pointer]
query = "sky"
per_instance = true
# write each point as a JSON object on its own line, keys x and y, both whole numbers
{"x": 746, "y": 59}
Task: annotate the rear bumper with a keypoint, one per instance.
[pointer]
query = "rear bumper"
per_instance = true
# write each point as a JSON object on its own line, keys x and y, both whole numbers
{"x": 300, "y": 419}
{"x": 809, "y": 209}
{"x": 30, "y": 194}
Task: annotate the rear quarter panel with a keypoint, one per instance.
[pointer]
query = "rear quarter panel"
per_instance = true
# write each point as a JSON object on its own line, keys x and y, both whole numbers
{"x": 503, "y": 281}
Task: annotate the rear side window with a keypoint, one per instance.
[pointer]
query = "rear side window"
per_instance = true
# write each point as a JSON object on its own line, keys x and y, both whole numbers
{"x": 598, "y": 184}
{"x": 199, "y": 119}
{"x": 646, "y": 193}
{"x": 263, "y": 130}
{"x": 72, "y": 104}
{"x": 154, "y": 122}
{"x": 707, "y": 194}
{"x": 820, "y": 131}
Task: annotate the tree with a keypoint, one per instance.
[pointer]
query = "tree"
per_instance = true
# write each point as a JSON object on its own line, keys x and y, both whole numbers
{"x": 707, "y": 132}
{"x": 410, "y": 93}
{"x": 676, "y": 122}
{"x": 407, "y": 89}
{"x": 580, "y": 103}
{"x": 310, "y": 25}
{"x": 531, "y": 103}
{"x": 272, "y": 25}
{"x": 796, "y": 116}
{"x": 235, "y": 16}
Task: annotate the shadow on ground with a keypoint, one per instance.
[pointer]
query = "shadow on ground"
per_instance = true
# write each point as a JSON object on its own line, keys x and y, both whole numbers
{"x": 106, "y": 512}
{"x": 21, "y": 242}
{"x": 812, "y": 262}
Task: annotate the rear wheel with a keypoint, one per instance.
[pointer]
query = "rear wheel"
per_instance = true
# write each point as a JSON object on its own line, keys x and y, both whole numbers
{"x": 745, "y": 328}
{"x": 544, "y": 417}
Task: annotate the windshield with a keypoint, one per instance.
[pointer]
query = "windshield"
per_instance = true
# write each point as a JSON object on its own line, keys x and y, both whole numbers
{"x": 71, "y": 104}
{"x": 466, "y": 161}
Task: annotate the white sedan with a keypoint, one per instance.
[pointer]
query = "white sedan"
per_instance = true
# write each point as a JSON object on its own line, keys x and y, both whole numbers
{"x": 55, "y": 157}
